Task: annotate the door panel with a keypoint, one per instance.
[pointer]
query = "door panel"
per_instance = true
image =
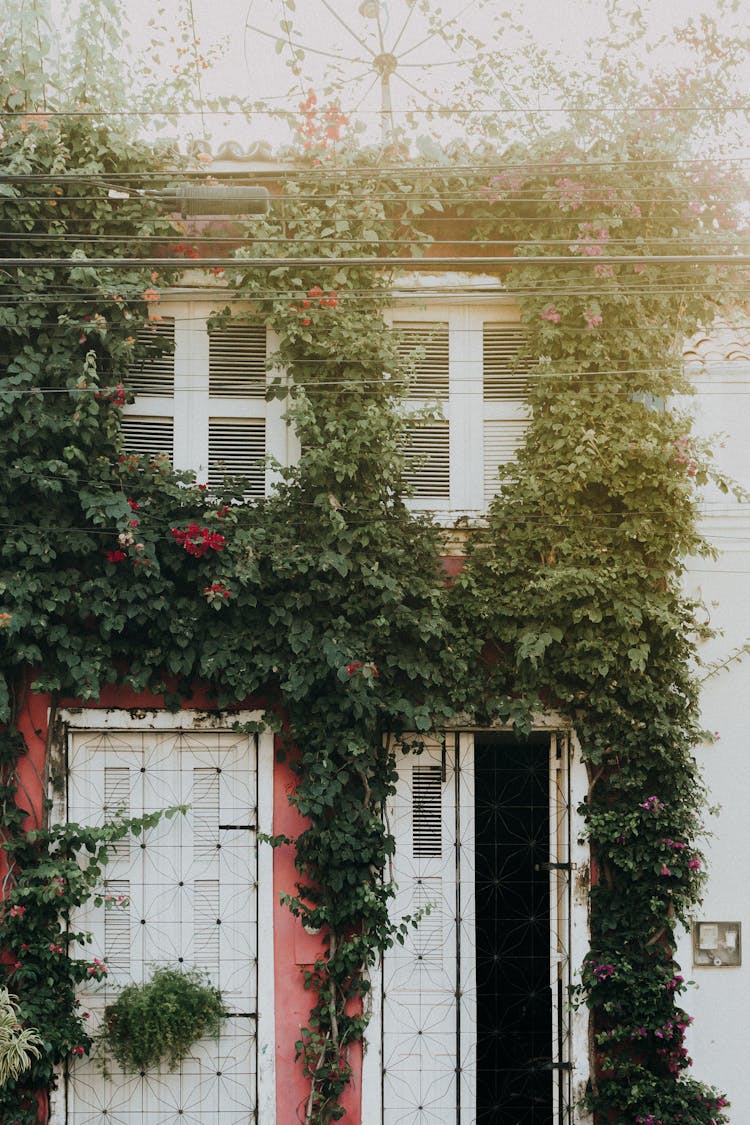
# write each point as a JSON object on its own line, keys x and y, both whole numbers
{"x": 473, "y": 1019}
{"x": 190, "y": 885}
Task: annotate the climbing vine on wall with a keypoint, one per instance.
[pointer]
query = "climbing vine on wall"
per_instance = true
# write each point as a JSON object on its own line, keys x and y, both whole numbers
{"x": 326, "y": 599}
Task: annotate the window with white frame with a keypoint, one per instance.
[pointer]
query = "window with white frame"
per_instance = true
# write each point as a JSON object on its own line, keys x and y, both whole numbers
{"x": 465, "y": 360}
{"x": 200, "y": 398}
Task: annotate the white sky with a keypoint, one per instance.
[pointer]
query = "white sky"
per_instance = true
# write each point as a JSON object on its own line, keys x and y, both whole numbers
{"x": 251, "y": 67}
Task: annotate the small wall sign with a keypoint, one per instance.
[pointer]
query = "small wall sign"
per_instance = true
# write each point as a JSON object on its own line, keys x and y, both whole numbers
{"x": 717, "y": 944}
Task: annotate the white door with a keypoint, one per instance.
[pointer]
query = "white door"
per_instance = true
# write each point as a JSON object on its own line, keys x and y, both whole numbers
{"x": 474, "y": 1022}
{"x": 191, "y": 888}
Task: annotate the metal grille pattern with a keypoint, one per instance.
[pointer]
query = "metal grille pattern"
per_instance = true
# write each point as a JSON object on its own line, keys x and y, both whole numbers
{"x": 475, "y": 1027}
{"x": 189, "y": 885}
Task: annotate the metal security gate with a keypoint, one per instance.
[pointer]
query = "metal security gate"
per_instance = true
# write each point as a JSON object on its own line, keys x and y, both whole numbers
{"x": 190, "y": 889}
{"x": 474, "y": 1015}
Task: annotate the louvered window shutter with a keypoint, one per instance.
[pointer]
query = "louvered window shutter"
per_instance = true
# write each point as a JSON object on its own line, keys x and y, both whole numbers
{"x": 501, "y": 349}
{"x": 237, "y": 361}
{"x": 420, "y": 976}
{"x": 427, "y": 452}
{"x": 149, "y": 436}
{"x": 152, "y": 373}
{"x": 236, "y": 448}
{"x": 505, "y": 389}
{"x": 424, "y": 348}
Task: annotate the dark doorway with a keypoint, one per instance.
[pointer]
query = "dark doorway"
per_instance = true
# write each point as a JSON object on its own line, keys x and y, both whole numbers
{"x": 514, "y": 1078}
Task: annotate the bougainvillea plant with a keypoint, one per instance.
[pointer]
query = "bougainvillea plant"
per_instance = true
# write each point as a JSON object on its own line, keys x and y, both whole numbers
{"x": 327, "y": 598}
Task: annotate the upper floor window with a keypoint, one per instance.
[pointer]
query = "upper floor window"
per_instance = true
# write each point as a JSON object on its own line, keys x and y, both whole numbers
{"x": 465, "y": 361}
{"x": 200, "y": 398}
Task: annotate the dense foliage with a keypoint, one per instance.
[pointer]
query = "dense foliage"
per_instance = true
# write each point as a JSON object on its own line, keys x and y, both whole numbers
{"x": 157, "y": 1022}
{"x": 327, "y": 599}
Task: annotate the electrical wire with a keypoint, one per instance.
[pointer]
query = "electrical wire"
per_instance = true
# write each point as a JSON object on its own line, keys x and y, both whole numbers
{"x": 429, "y": 243}
{"x": 405, "y": 170}
{"x": 722, "y": 108}
{"x": 465, "y": 196}
{"x": 377, "y": 261}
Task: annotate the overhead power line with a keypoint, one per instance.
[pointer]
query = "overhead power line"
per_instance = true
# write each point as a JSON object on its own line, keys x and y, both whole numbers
{"x": 405, "y": 170}
{"x": 436, "y": 111}
{"x": 380, "y": 262}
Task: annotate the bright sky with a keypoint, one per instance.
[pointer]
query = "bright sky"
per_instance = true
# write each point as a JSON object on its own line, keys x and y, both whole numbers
{"x": 340, "y": 41}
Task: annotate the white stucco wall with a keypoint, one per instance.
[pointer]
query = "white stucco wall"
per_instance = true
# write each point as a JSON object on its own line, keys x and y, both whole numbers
{"x": 721, "y": 997}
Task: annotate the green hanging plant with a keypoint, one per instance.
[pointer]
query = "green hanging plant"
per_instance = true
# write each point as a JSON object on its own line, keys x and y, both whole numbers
{"x": 157, "y": 1022}
{"x": 19, "y": 1045}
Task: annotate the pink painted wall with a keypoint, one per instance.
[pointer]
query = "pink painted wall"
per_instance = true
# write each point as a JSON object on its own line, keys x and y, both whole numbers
{"x": 293, "y": 951}
{"x": 293, "y": 948}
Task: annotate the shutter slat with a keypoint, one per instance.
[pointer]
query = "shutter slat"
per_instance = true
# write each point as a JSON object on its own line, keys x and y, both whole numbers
{"x": 148, "y": 436}
{"x": 427, "y": 454}
{"x": 117, "y": 938}
{"x": 425, "y": 350}
{"x": 205, "y": 807}
{"x": 502, "y": 439}
{"x": 501, "y": 347}
{"x": 427, "y": 812}
{"x": 117, "y": 803}
{"x": 153, "y": 373}
{"x": 237, "y": 361}
{"x": 236, "y": 448}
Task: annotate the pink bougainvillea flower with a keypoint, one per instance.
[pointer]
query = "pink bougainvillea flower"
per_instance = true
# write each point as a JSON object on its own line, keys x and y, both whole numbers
{"x": 551, "y": 314}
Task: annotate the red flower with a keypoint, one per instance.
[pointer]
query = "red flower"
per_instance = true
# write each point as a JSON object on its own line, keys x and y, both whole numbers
{"x": 133, "y": 504}
{"x": 116, "y": 556}
{"x": 197, "y": 541}
{"x": 352, "y": 668}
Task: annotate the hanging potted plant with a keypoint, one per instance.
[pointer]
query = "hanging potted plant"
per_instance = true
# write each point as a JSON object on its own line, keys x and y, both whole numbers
{"x": 155, "y": 1024}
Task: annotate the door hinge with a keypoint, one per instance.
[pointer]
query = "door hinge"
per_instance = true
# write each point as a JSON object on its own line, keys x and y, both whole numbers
{"x": 554, "y": 866}
{"x": 236, "y": 827}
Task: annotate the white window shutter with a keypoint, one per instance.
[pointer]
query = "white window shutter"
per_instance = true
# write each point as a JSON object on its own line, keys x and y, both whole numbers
{"x": 427, "y": 453}
{"x": 420, "y": 976}
{"x": 152, "y": 373}
{"x": 501, "y": 348}
{"x": 504, "y": 393}
{"x": 148, "y": 436}
{"x": 236, "y": 448}
{"x": 237, "y": 361}
{"x": 502, "y": 440}
{"x": 425, "y": 348}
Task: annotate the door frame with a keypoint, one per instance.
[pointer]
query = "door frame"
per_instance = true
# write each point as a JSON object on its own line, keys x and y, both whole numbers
{"x": 577, "y": 932}
{"x": 140, "y": 719}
